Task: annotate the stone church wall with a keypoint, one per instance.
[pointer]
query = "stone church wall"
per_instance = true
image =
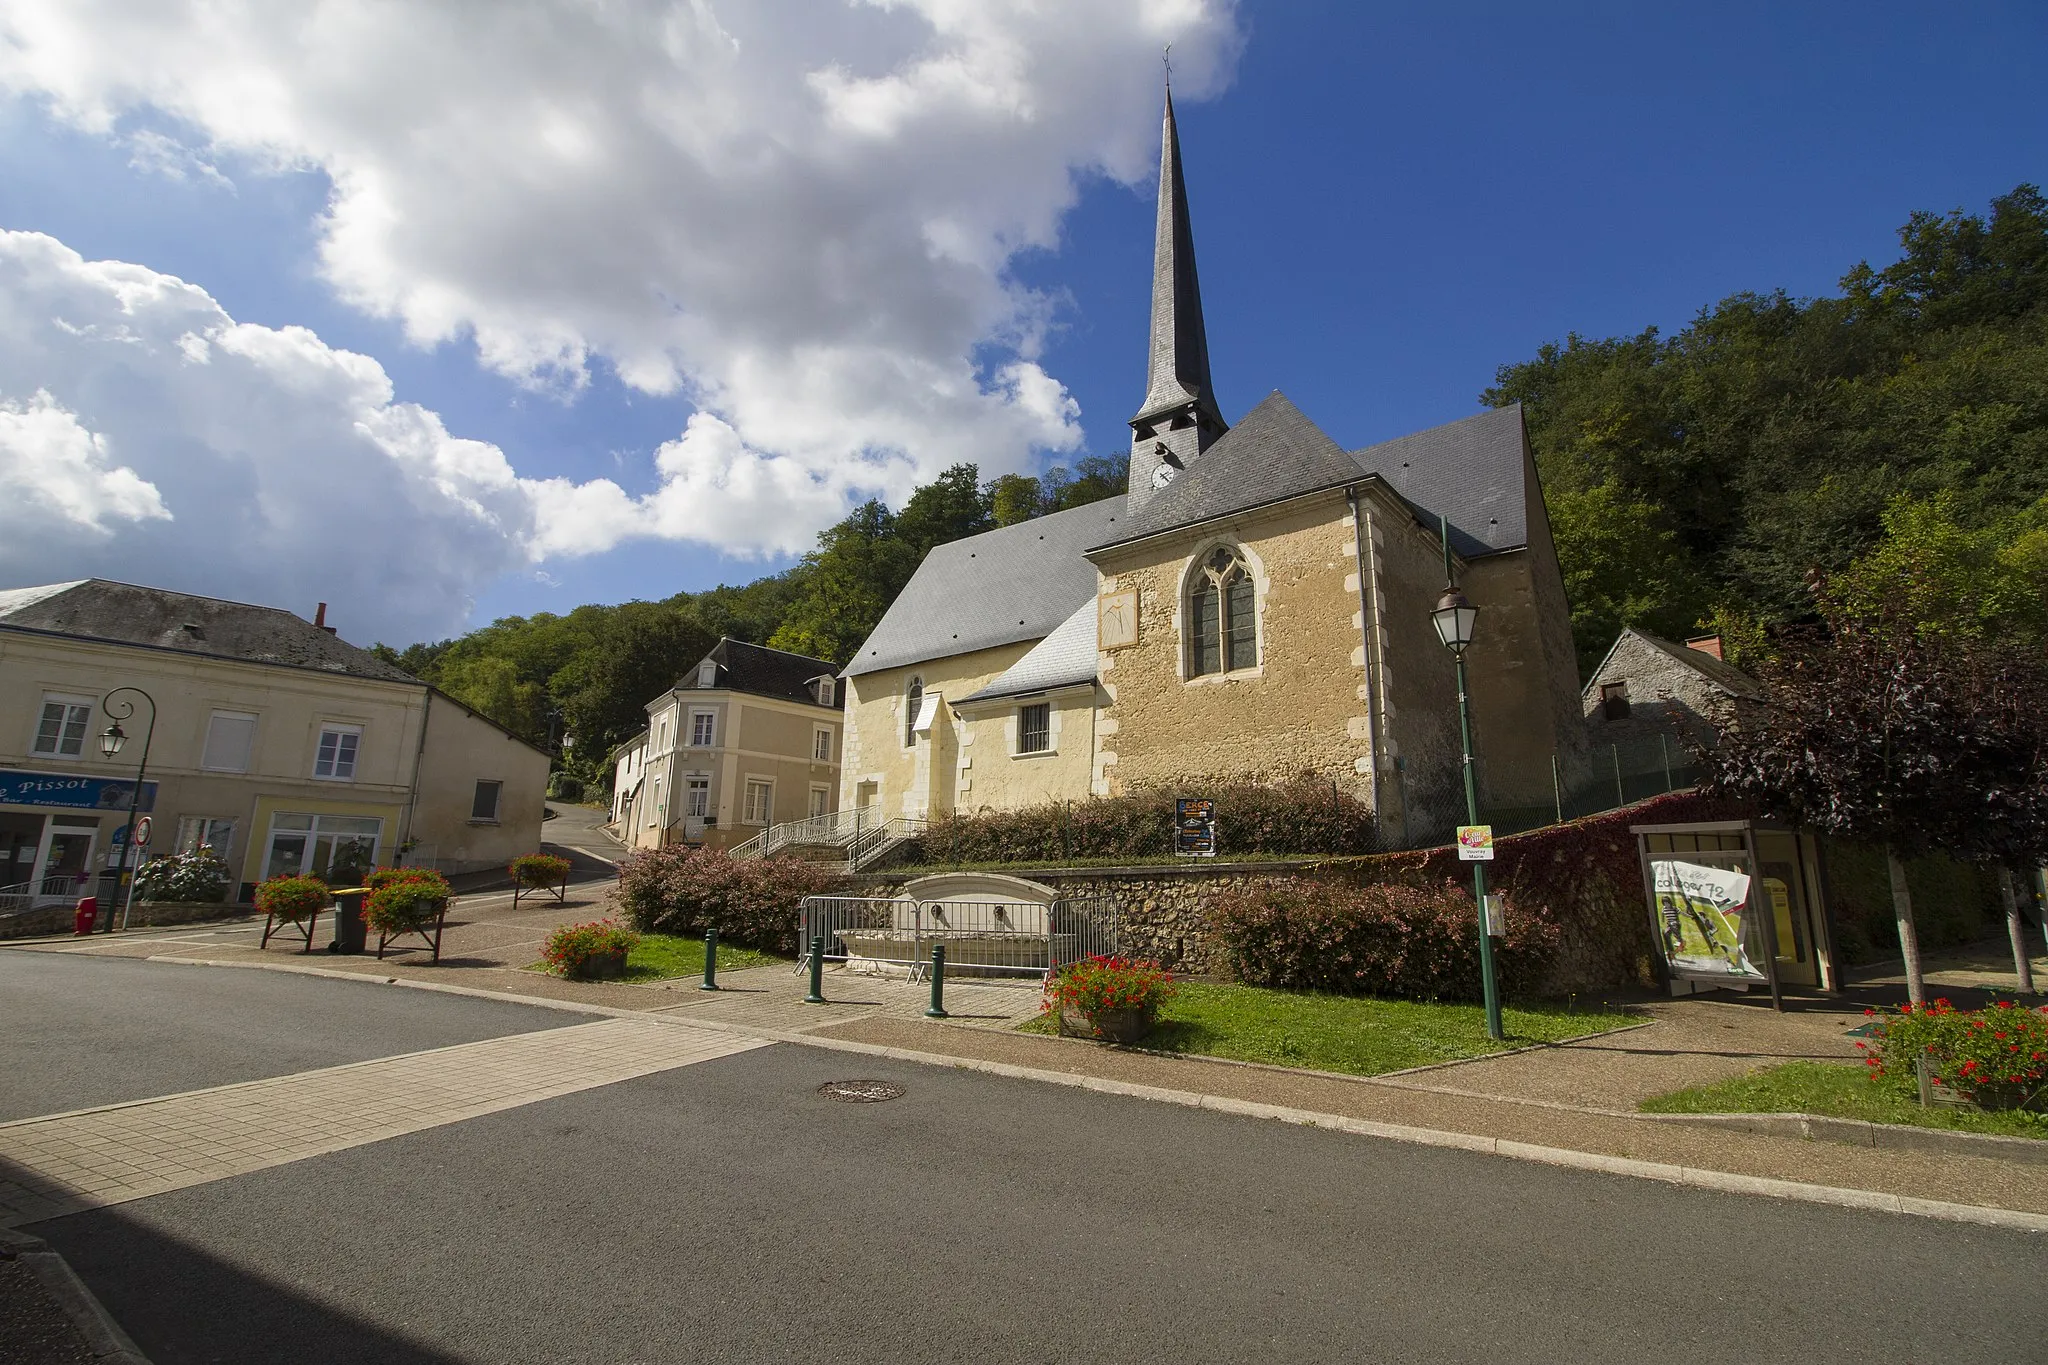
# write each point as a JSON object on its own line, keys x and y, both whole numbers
{"x": 1298, "y": 710}
{"x": 912, "y": 779}
{"x": 991, "y": 774}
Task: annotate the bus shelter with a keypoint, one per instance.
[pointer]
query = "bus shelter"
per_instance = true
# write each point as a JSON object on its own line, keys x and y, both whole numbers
{"x": 1738, "y": 905}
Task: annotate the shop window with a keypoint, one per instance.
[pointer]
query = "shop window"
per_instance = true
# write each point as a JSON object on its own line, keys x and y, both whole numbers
{"x": 484, "y": 805}
{"x": 1034, "y": 728}
{"x": 60, "y": 731}
{"x": 205, "y": 831}
{"x": 340, "y": 849}
{"x": 335, "y": 759}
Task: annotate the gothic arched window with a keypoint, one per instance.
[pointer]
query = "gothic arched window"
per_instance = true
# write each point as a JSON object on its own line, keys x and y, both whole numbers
{"x": 1223, "y": 634}
{"x": 913, "y": 698}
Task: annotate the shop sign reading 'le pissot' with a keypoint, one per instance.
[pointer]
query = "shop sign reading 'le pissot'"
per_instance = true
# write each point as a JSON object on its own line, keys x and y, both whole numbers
{"x": 71, "y": 791}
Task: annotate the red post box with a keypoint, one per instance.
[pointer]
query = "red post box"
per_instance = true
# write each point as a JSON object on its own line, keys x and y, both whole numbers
{"x": 85, "y": 915}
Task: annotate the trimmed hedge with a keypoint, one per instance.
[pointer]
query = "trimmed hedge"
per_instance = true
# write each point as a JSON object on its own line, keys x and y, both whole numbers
{"x": 1415, "y": 942}
{"x": 752, "y": 902}
{"x": 1306, "y": 815}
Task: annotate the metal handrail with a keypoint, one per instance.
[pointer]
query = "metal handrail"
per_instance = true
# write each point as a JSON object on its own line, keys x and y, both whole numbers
{"x": 834, "y": 830}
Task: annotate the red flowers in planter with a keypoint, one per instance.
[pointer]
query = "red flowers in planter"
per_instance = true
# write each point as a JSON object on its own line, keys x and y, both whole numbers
{"x": 1101, "y": 984}
{"x": 1998, "y": 1054}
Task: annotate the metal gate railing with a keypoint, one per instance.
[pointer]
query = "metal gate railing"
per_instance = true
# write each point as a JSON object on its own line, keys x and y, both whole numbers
{"x": 981, "y": 938}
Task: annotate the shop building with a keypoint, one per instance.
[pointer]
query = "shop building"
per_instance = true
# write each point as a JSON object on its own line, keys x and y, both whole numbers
{"x": 273, "y": 742}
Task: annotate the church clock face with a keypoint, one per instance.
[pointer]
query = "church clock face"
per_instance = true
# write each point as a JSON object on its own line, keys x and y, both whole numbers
{"x": 1163, "y": 475}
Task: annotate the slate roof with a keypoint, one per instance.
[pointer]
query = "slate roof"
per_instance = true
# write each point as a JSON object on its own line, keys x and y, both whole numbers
{"x": 764, "y": 672}
{"x": 1061, "y": 659}
{"x": 124, "y": 613}
{"x": 1013, "y": 583}
{"x": 1177, "y": 367}
{"x": 1274, "y": 453}
{"x": 1719, "y": 672}
{"x": 1471, "y": 469}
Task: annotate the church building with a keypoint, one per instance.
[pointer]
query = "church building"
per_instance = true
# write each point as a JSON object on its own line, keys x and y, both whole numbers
{"x": 1257, "y": 605}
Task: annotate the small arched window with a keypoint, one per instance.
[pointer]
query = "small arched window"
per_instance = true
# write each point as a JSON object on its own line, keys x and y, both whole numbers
{"x": 1223, "y": 633}
{"x": 913, "y": 698}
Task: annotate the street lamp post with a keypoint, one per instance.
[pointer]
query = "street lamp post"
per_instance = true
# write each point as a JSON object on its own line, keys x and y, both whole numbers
{"x": 111, "y": 741}
{"x": 1454, "y": 619}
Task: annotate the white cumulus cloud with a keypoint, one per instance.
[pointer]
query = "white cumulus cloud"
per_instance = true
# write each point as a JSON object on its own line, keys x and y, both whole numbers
{"x": 55, "y": 469}
{"x": 798, "y": 214}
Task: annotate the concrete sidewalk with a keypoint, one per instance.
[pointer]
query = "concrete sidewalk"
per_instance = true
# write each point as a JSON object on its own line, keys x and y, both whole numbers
{"x": 1579, "y": 1097}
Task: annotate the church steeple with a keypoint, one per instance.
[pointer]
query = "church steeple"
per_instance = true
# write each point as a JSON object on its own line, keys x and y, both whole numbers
{"x": 1179, "y": 418}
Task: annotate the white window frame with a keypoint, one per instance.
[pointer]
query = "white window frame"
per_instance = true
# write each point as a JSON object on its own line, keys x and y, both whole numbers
{"x": 206, "y": 747}
{"x": 707, "y": 673}
{"x": 821, "y": 800}
{"x": 704, "y": 720}
{"x": 497, "y": 801}
{"x": 764, "y": 814}
{"x": 655, "y": 808}
{"x": 1018, "y": 749}
{"x": 697, "y": 796}
{"x": 1199, "y": 575}
{"x": 71, "y": 703}
{"x": 216, "y": 832}
{"x": 821, "y": 744}
{"x": 339, "y": 729}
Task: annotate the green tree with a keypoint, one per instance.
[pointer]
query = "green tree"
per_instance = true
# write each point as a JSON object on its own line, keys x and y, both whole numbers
{"x": 1932, "y": 575}
{"x": 490, "y": 685}
{"x": 849, "y": 580}
{"x": 1622, "y": 568}
{"x": 644, "y": 649}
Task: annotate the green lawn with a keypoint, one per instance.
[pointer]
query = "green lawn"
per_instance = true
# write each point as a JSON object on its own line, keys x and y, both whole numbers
{"x": 1839, "y": 1090}
{"x": 1355, "y": 1034}
{"x": 661, "y": 957}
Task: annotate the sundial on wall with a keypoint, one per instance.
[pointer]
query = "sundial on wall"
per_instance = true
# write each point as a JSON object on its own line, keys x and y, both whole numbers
{"x": 1117, "y": 619}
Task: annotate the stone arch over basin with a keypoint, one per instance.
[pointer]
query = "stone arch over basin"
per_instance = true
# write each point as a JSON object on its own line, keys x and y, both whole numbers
{"x": 978, "y": 886}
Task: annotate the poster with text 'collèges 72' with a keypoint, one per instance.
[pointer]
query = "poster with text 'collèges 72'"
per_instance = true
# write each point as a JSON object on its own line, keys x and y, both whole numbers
{"x": 1701, "y": 912}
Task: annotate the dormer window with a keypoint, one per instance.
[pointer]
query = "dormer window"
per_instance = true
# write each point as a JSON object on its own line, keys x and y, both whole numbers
{"x": 707, "y": 673}
{"x": 824, "y": 688}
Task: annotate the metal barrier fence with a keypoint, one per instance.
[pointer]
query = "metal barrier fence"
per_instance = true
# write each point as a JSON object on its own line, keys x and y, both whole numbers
{"x": 981, "y": 938}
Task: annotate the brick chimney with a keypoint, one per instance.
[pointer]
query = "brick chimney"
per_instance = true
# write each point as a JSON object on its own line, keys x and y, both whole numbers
{"x": 320, "y": 619}
{"x": 1705, "y": 644}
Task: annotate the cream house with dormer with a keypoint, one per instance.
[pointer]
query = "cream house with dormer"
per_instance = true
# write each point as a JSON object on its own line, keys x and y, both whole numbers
{"x": 1255, "y": 605}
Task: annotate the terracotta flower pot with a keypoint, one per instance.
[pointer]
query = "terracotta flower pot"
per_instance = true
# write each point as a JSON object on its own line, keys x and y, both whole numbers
{"x": 1116, "y": 1026}
{"x": 600, "y": 967}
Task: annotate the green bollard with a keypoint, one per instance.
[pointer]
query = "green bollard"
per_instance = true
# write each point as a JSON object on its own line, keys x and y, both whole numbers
{"x": 710, "y": 982}
{"x": 938, "y": 1008}
{"x": 817, "y": 995}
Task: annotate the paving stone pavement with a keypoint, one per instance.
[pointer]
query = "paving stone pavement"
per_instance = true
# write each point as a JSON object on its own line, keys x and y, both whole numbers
{"x": 62, "y": 1163}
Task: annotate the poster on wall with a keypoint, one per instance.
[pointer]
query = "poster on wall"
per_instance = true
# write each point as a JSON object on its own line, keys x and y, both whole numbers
{"x": 1701, "y": 914}
{"x": 1194, "y": 827}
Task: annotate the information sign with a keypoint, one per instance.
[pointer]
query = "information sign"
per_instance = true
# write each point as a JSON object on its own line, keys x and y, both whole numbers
{"x": 1194, "y": 827}
{"x": 1475, "y": 843}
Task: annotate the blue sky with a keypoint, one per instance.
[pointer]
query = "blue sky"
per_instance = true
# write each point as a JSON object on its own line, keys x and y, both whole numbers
{"x": 1389, "y": 204}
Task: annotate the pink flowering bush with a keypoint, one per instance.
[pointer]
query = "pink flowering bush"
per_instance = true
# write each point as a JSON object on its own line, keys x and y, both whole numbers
{"x": 1997, "y": 1057}
{"x": 1388, "y": 938}
{"x": 752, "y": 902}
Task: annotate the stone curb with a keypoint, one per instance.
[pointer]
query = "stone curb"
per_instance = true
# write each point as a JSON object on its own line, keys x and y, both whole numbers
{"x": 1860, "y": 1133}
{"x": 1720, "y": 1181}
{"x": 103, "y": 1336}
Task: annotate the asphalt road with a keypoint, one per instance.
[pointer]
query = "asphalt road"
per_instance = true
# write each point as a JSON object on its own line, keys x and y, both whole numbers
{"x": 726, "y": 1212}
{"x": 77, "y": 1032}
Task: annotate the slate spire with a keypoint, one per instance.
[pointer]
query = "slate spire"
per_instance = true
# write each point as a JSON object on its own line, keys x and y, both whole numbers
{"x": 1179, "y": 417}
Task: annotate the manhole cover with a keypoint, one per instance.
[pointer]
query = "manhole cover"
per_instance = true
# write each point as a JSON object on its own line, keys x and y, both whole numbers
{"x": 860, "y": 1092}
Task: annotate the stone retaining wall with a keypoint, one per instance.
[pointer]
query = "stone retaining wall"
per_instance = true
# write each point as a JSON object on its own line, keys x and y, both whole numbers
{"x": 56, "y": 919}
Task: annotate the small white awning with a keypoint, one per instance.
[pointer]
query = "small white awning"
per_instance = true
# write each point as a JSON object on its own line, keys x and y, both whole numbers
{"x": 927, "y": 710}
